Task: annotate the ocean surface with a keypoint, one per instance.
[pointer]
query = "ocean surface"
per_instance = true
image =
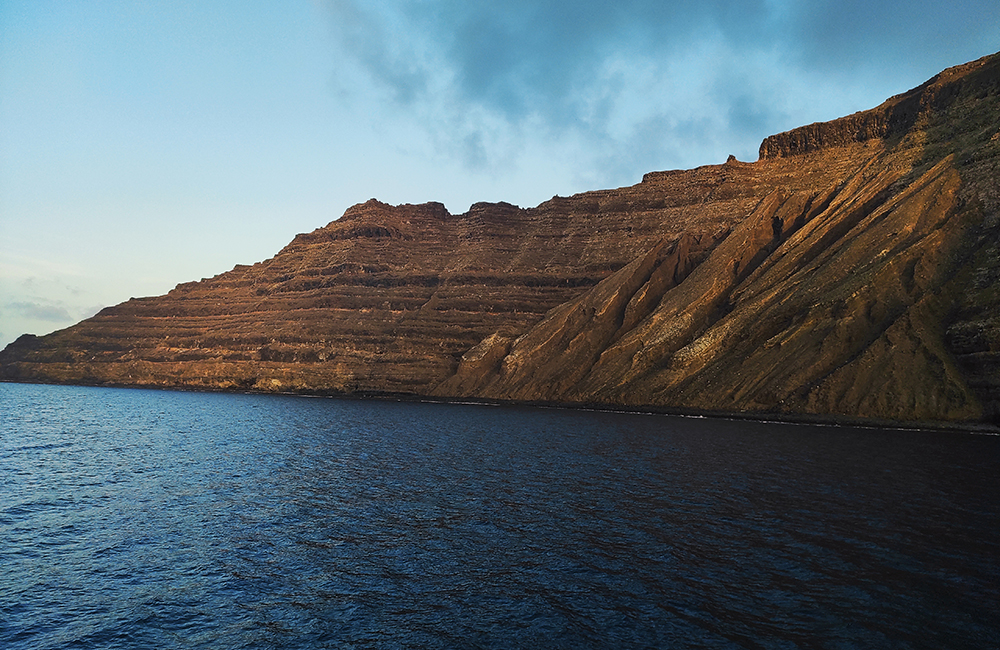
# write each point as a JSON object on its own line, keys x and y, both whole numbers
{"x": 154, "y": 519}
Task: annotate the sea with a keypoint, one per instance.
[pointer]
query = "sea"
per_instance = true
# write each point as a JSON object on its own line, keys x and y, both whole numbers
{"x": 157, "y": 519}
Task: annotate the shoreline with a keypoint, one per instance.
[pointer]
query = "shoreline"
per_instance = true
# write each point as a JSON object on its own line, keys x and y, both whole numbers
{"x": 810, "y": 419}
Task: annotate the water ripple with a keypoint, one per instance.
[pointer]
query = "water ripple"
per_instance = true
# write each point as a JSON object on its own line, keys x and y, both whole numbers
{"x": 143, "y": 519}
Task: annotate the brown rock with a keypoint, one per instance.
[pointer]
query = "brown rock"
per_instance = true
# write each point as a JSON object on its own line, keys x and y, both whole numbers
{"x": 851, "y": 272}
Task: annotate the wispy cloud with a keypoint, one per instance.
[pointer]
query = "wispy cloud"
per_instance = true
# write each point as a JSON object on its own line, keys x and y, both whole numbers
{"x": 48, "y": 312}
{"x": 481, "y": 76}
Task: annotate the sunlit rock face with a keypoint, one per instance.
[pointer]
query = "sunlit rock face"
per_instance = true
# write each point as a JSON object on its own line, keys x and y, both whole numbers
{"x": 852, "y": 271}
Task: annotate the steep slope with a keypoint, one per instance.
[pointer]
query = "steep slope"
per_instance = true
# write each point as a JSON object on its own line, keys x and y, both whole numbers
{"x": 385, "y": 299}
{"x": 851, "y": 271}
{"x": 872, "y": 297}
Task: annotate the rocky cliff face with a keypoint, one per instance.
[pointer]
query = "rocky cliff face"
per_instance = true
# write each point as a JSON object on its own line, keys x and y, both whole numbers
{"x": 852, "y": 271}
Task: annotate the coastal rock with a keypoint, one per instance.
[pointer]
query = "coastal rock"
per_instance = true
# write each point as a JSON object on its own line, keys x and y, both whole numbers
{"x": 851, "y": 272}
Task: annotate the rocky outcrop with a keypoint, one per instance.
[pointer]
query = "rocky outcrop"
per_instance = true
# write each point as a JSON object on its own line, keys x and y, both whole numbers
{"x": 386, "y": 299}
{"x": 852, "y": 271}
{"x": 872, "y": 297}
{"x": 557, "y": 352}
{"x": 894, "y": 118}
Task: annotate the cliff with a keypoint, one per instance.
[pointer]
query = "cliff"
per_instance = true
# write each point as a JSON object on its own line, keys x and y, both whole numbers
{"x": 852, "y": 271}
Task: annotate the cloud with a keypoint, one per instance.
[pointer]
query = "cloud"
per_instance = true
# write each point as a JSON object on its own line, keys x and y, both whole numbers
{"x": 858, "y": 34}
{"x": 482, "y": 77}
{"x": 369, "y": 38}
{"x": 49, "y": 312}
{"x": 547, "y": 56}
{"x": 527, "y": 57}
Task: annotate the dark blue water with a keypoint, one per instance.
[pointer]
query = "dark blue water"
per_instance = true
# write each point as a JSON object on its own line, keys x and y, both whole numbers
{"x": 145, "y": 519}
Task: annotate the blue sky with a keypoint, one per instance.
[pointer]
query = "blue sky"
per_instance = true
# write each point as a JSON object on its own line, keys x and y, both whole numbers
{"x": 147, "y": 144}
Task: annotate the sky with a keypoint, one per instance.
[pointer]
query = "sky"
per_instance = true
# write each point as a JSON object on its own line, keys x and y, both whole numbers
{"x": 146, "y": 144}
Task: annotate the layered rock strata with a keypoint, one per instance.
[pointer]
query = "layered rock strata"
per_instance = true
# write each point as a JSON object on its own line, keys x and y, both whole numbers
{"x": 852, "y": 271}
